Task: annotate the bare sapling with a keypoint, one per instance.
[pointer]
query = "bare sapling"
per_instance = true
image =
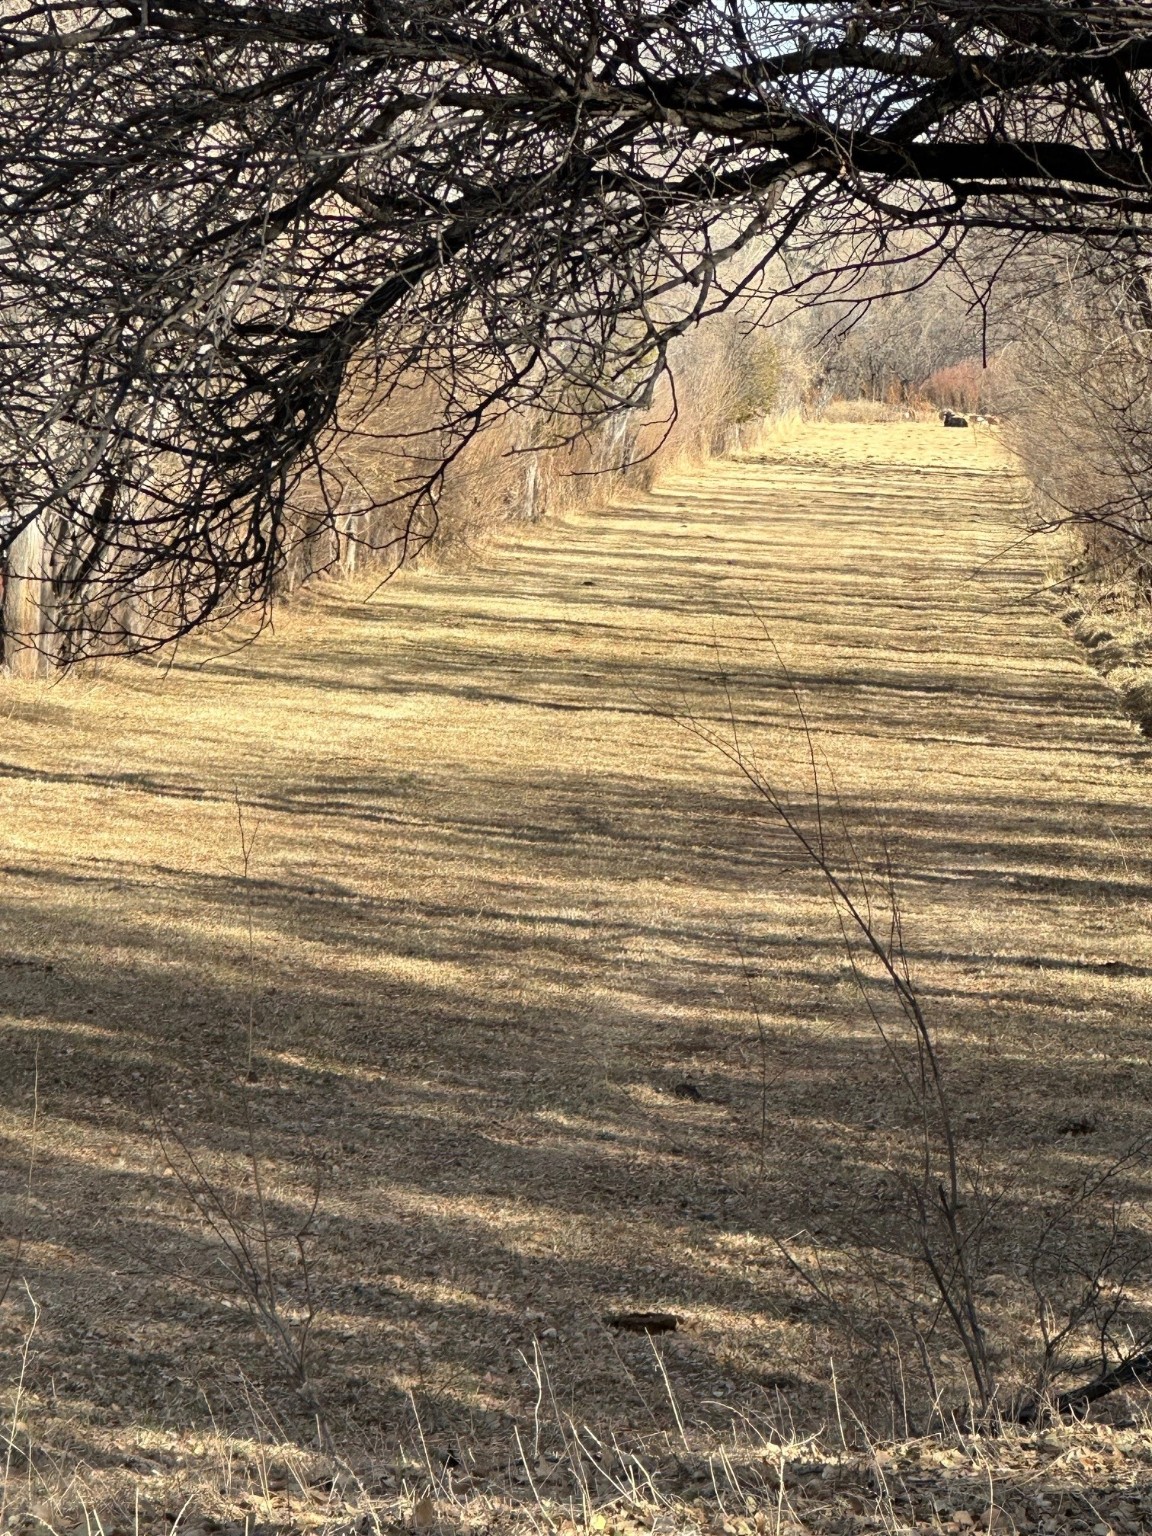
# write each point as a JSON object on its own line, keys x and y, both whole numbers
{"x": 13, "y": 1267}
{"x": 266, "y": 1258}
{"x": 1084, "y": 1263}
{"x": 262, "y": 1245}
{"x": 945, "y": 1199}
{"x": 12, "y": 1428}
{"x": 762, "y": 1052}
{"x": 247, "y": 834}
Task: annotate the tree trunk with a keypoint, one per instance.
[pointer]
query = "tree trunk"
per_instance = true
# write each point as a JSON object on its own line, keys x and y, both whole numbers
{"x": 22, "y": 608}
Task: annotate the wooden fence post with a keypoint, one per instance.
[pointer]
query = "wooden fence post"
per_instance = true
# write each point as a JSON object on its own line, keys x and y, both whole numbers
{"x": 22, "y": 606}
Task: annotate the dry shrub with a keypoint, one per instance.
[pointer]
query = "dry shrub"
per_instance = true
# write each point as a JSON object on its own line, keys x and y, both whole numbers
{"x": 726, "y": 379}
{"x": 970, "y": 386}
{"x": 1078, "y": 394}
{"x": 377, "y": 500}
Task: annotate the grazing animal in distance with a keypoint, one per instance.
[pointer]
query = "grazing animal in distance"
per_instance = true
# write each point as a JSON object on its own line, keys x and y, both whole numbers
{"x": 952, "y": 420}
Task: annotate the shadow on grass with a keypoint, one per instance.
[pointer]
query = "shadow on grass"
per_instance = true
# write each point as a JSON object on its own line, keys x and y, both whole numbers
{"x": 480, "y": 1054}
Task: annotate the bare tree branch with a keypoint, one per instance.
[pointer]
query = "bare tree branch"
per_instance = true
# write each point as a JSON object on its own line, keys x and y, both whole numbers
{"x": 226, "y": 226}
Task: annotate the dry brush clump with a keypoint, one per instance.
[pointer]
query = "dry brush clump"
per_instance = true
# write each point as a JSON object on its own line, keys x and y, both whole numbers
{"x": 726, "y": 378}
{"x": 971, "y": 386}
{"x": 360, "y": 509}
{"x": 1075, "y": 390}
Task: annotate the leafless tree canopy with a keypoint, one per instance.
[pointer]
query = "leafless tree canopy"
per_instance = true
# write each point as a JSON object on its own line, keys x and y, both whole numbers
{"x": 214, "y": 212}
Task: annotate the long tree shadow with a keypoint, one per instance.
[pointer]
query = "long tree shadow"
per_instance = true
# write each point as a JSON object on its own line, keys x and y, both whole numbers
{"x": 502, "y": 1161}
{"x": 559, "y": 1036}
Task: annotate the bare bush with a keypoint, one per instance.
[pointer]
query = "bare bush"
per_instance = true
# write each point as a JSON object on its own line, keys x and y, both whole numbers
{"x": 259, "y": 1246}
{"x": 1079, "y": 400}
{"x": 970, "y": 386}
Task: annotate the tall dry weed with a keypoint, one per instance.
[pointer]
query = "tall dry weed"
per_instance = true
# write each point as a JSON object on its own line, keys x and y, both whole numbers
{"x": 1077, "y": 395}
{"x": 725, "y": 378}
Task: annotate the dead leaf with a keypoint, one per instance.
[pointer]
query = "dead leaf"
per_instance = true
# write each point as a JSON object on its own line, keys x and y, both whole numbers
{"x": 423, "y": 1514}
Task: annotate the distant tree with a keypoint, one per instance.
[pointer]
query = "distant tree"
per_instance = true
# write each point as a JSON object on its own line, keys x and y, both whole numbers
{"x": 225, "y": 222}
{"x": 883, "y": 334}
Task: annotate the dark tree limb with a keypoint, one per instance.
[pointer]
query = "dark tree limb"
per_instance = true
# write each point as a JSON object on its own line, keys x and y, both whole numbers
{"x": 226, "y": 226}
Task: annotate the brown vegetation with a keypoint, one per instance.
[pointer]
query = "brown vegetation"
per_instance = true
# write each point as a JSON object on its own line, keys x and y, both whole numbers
{"x": 970, "y": 386}
{"x": 1075, "y": 392}
{"x": 490, "y": 917}
{"x": 724, "y": 377}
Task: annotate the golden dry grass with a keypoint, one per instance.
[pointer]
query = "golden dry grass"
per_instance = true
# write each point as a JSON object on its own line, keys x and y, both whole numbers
{"x": 491, "y": 921}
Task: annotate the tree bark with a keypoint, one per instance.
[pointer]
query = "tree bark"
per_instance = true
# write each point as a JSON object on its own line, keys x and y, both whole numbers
{"x": 23, "y": 605}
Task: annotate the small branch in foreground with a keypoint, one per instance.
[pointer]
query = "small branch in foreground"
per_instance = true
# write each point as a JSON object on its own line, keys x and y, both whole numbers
{"x": 873, "y": 922}
{"x": 250, "y": 1253}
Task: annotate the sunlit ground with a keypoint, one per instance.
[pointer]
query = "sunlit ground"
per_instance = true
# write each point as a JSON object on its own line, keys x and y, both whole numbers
{"x": 432, "y": 868}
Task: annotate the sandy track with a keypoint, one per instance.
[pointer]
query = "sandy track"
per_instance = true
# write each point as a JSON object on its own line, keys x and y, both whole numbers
{"x": 496, "y": 906}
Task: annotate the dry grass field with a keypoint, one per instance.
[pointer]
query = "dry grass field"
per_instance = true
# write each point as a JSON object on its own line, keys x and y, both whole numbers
{"x": 423, "y": 903}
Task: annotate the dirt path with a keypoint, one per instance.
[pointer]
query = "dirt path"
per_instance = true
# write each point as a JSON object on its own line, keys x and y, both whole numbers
{"x": 491, "y": 924}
